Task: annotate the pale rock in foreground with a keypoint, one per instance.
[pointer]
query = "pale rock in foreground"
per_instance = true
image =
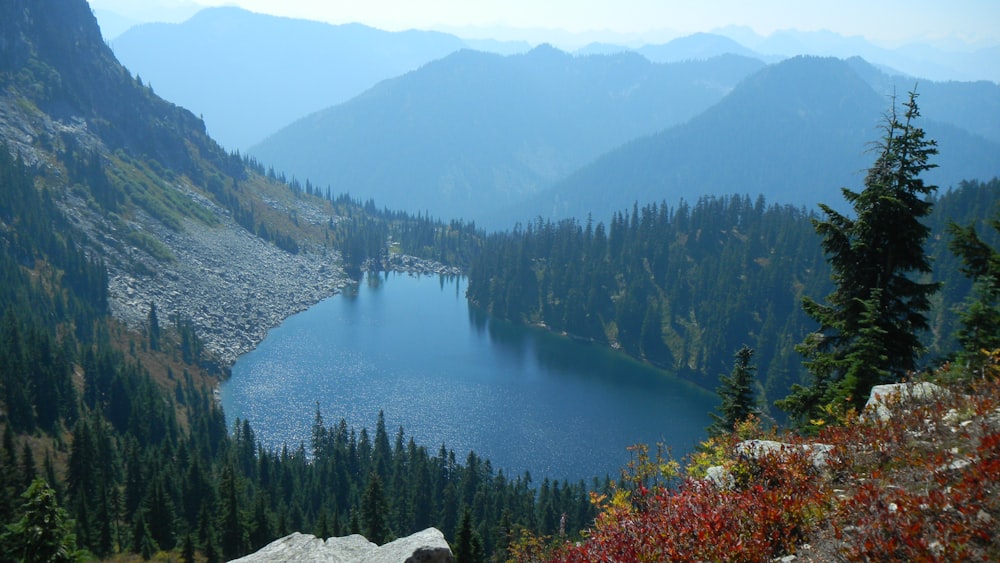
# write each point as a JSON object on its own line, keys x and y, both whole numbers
{"x": 883, "y": 395}
{"x": 428, "y": 546}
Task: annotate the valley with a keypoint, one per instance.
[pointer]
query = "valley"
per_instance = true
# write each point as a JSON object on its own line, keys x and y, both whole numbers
{"x": 511, "y": 266}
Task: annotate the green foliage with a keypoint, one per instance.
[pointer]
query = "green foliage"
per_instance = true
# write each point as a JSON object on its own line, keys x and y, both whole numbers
{"x": 151, "y": 245}
{"x": 980, "y": 314}
{"x": 737, "y": 393}
{"x": 870, "y": 325}
{"x": 672, "y": 286}
{"x": 374, "y": 509}
{"x": 43, "y": 532}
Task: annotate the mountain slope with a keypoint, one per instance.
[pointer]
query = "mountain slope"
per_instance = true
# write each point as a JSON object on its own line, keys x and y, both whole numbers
{"x": 167, "y": 210}
{"x": 973, "y": 106}
{"x": 65, "y": 68}
{"x": 475, "y": 131}
{"x": 250, "y": 74}
{"x": 795, "y": 132}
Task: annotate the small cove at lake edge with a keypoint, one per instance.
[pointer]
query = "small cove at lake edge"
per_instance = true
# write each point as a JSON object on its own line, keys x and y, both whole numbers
{"x": 412, "y": 347}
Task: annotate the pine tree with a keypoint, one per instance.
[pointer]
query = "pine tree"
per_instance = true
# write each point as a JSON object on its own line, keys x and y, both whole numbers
{"x": 232, "y": 524}
{"x": 43, "y": 532}
{"x": 153, "y": 322}
{"x": 980, "y": 315}
{"x": 468, "y": 544}
{"x": 737, "y": 394}
{"x": 374, "y": 509}
{"x": 187, "y": 551}
{"x": 877, "y": 258}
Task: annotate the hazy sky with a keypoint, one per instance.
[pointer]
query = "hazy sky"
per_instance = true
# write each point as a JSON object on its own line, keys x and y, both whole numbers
{"x": 888, "y": 22}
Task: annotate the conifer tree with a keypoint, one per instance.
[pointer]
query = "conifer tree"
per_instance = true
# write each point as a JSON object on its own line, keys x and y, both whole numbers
{"x": 980, "y": 315}
{"x": 737, "y": 394}
{"x": 468, "y": 544}
{"x": 43, "y": 532}
{"x": 374, "y": 509}
{"x": 877, "y": 257}
{"x": 154, "y": 327}
{"x": 187, "y": 551}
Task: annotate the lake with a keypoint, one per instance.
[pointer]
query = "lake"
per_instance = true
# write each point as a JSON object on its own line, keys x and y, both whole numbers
{"x": 412, "y": 346}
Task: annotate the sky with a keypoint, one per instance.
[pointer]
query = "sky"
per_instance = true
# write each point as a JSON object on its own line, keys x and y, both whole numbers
{"x": 888, "y": 23}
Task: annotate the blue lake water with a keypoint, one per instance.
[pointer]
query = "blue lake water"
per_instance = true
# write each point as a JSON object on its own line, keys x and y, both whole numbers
{"x": 412, "y": 346}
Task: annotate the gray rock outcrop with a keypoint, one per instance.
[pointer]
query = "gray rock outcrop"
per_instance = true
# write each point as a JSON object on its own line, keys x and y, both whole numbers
{"x": 818, "y": 453}
{"x": 882, "y": 396}
{"x": 428, "y": 546}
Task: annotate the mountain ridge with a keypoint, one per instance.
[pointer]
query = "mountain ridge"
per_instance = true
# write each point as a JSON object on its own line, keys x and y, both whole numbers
{"x": 803, "y": 124}
{"x": 228, "y": 62}
{"x": 474, "y": 131}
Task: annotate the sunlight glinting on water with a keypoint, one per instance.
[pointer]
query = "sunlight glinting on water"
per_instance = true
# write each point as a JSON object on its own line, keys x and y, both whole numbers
{"x": 525, "y": 399}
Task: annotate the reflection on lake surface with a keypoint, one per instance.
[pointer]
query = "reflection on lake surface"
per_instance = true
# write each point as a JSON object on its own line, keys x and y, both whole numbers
{"x": 449, "y": 374}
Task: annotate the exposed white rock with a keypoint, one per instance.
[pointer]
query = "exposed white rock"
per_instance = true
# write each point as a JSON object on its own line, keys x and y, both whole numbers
{"x": 819, "y": 454}
{"x": 720, "y": 477}
{"x": 428, "y": 546}
{"x": 883, "y": 395}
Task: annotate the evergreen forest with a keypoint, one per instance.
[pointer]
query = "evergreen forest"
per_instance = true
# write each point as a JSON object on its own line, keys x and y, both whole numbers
{"x": 684, "y": 287}
{"x": 123, "y": 430}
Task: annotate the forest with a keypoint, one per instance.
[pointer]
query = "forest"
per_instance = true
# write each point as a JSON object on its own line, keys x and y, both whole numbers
{"x": 121, "y": 432}
{"x": 684, "y": 287}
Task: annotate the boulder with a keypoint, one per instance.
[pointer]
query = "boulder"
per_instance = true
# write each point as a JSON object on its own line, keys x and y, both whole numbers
{"x": 428, "y": 546}
{"x": 882, "y": 396}
{"x": 818, "y": 453}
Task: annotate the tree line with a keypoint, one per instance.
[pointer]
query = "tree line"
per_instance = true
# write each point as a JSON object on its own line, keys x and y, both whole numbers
{"x": 685, "y": 287}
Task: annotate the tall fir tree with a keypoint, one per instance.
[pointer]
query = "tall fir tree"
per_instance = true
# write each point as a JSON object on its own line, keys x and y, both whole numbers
{"x": 375, "y": 510}
{"x": 736, "y": 392}
{"x": 878, "y": 262}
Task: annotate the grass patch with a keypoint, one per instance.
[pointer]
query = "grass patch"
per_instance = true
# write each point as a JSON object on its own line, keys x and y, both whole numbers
{"x": 151, "y": 245}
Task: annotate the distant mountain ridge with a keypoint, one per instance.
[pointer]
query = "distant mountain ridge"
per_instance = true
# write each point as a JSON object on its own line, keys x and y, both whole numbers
{"x": 473, "y": 132}
{"x": 796, "y": 132}
{"x": 227, "y": 63}
{"x": 250, "y": 74}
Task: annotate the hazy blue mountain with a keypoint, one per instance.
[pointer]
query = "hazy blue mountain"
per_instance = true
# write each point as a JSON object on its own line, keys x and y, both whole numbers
{"x": 598, "y": 48}
{"x": 796, "y": 132}
{"x": 472, "y": 132}
{"x": 497, "y": 46}
{"x": 113, "y": 24}
{"x": 250, "y": 74}
{"x": 918, "y": 59}
{"x": 693, "y": 47}
{"x": 974, "y": 106}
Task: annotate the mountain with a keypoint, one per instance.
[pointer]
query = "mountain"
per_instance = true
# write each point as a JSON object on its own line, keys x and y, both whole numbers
{"x": 960, "y": 62}
{"x": 159, "y": 203}
{"x": 73, "y": 77}
{"x": 137, "y": 260}
{"x": 113, "y": 24}
{"x": 796, "y": 132}
{"x": 973, "y": 106}
{"x": 472, "y": 132}
{"x": 250, "y": 74}
{"x": 695, "y": 46}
